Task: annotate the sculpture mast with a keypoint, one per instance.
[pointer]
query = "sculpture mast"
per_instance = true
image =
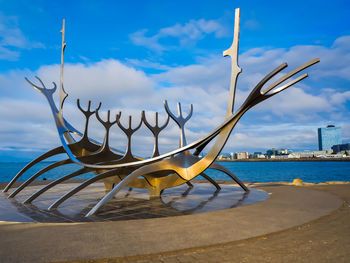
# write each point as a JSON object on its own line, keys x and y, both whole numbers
{"x": 63, "y": 94}
{"x": 235, "y": 69}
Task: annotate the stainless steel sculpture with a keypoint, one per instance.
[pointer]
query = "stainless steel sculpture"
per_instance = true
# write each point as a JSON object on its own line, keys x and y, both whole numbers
{"x": 119, "y": 169}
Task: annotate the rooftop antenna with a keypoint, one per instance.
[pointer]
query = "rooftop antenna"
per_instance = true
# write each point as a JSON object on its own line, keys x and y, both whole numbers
{"x": 63, "y": 94}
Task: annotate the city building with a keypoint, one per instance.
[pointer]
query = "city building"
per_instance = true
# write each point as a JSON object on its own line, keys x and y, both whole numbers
{"x": 271, "y": 153}
{"x": 341, "y": 147}
{"x": 311, "y": 154}
{"x": 224, "y": 156}
{"x": 257, "y": 155}
{"x": 241, "y": 155}
{"x": 284, "y": 152}
{"x": 329, "y": 136}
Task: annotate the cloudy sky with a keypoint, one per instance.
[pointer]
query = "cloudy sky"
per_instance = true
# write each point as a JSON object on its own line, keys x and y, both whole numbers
{"x": 131, "y": 55}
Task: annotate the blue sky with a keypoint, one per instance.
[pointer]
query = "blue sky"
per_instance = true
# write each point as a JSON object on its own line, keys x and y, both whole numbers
{"x": 133, "y": 54}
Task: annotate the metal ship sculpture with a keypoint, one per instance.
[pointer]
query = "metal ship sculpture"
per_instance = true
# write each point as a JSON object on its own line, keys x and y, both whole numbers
{"x": 120, "y": 169}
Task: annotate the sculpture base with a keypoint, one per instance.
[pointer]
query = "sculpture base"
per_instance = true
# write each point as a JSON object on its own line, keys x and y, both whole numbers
{"x": 155, "y": 185}
{"x": 129, "y": 204}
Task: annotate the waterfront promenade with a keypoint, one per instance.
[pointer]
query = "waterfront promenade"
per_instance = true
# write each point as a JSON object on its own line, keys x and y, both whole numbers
{"x": 296, "y": 224}
{"x": 326, "y": 239}
{"x": 309, "y": 159}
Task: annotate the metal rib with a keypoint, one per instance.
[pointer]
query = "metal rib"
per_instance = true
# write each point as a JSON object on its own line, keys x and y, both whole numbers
{"x": 117, "y": 188}
{"x": 42, "y": 157}
{"x": 278, "y": 90}
{"x": 32, "y": 178}
{"x": 190, "y": 185}
{"x": 156, "y": 129}
{"x": 52, "y": 184}
{"x": 213, "y": 182}
{"x": 221, "y": 168}
{"x": 180, "y": 121}
{"x": 164, "y": 165}
{"x": 256, "y": 92}
{"x": 128, "y": 156}
{"x": 290, "y": 74}
{"x": 81, "y": 187}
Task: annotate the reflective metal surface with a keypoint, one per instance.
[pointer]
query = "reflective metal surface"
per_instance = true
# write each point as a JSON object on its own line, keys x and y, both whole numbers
{"x": 179, "y": 120}
{"x": 156, "y": 129}
{"x": 132, "y": 204}
{"x": 119, "y": 169}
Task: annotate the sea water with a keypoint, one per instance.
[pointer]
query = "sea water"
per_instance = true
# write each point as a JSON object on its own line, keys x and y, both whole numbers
{"x": 313, "y": 172}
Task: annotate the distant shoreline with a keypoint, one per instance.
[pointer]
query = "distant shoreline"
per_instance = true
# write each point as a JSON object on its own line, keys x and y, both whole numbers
{"x": 314, "y": 159}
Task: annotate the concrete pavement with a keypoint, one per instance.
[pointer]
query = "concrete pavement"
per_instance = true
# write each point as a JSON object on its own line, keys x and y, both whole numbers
{"x": 287, "y": 207}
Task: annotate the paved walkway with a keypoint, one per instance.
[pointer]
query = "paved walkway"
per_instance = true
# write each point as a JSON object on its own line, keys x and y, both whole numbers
{"x": 243, "y": 234}
{"x": 323, "y": 240}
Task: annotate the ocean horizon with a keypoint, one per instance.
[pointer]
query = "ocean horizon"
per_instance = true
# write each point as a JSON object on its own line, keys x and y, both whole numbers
{"x": 264, "y": 172}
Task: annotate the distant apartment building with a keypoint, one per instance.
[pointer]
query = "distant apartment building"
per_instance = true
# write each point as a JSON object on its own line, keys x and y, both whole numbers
{"x": 224, "y": 156}
{"x": 329, "y": 136}
{"x": 257, "y": 155}
{"x": 341, "y": 147}
{"x": 310, "y": 154}
{"x": 241, "y": 155}
{"x": 271, "y": 153}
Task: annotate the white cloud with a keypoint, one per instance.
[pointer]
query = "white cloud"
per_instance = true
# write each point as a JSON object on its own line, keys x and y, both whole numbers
{"x": 189, "y": 32}
{"x": 26, "y": 125}
{"x": 334, "y": 60}
{"x": 340, "y": 97}
{"x": 144, "y": 63}
{"x": 251, "y": 24}
{"x": 303, "y": 106}
{"x": 7, "y": 54}
{"x": 12, "y": 39}
{"x": 262, "y": 137}
{"x": 194, "y": 29}
{"x": 107, "y": 81}
{"x": 139, "y": 39}
{"x": 208, "y": 75}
